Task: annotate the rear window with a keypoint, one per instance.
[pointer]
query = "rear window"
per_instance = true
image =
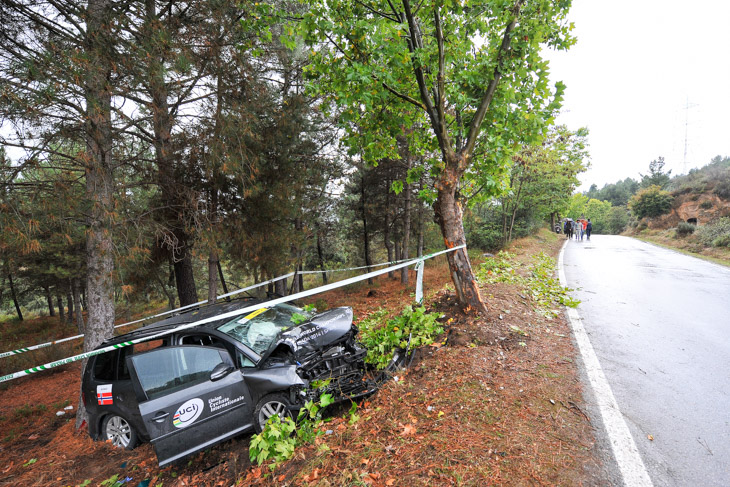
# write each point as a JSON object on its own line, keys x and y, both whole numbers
{"x": 113, "y": 365}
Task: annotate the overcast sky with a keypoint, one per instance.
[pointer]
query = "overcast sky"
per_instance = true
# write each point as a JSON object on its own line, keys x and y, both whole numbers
{"x": 637, "y": 66}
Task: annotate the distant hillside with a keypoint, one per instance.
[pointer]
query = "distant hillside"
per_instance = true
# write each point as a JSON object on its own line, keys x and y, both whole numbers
{"x": 700, "y": 197}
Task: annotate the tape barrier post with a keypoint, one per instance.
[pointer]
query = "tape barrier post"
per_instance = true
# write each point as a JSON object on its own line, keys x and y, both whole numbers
{"x": 419, "y": 281}
{"x": 182, "y": 308}
{"x": 223, "y": 316}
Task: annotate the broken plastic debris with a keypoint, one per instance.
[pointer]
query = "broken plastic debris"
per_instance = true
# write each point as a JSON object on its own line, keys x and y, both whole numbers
{"x": 68, "y": 408}
{"x": 60, "y": 413}
{"x": 429, "y": 408}
{"x": 328, "y": 432}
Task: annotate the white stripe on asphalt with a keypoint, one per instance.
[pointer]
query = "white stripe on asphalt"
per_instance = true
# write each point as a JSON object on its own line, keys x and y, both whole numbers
{"x": 624, "y": 449}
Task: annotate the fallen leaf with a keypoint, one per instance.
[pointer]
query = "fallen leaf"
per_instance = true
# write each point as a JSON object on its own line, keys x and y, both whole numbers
{"x": 390, "y": 482}
{"x": 651, "y": 438}
{"x": 408, "y": 430}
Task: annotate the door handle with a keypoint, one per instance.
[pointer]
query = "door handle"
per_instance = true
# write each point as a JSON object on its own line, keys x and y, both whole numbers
{"x": 160, "y": 417}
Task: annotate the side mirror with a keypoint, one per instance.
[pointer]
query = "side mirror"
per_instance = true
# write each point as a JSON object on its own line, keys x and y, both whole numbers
{"x": 220, "y": 371}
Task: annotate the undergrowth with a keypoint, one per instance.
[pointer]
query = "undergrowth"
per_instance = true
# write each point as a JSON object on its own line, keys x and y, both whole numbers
{"x": 413, "y": 327}
{"x": 536, "y": 278}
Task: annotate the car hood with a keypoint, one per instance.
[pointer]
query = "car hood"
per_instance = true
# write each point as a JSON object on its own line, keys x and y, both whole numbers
{"x": 322, "y": 330}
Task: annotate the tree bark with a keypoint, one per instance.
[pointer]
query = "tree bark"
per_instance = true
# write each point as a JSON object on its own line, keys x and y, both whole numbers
{"x": 366, "y": 238}
{"x": 212, "y": 276}
{"x": 406, "y": 221}
{"x": 15, "y": 296}
{"x": 99, "y": 181}
{"x": 185, "y": 280}
{"x": 450, "y": 217}
{"x": 387, "y": 230}
{"x": 70, "y": 301}
{"x": 61, "y": 308}
{"x": 223, "y": 281}
{"x": 49, "y": 300}
{"x": 420, "y": 220}
{"x": 76, "y": 289}
{"x": 320, "y": 253}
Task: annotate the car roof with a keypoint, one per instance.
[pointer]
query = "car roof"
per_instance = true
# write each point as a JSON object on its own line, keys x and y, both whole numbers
{"x": 189, "y": 316}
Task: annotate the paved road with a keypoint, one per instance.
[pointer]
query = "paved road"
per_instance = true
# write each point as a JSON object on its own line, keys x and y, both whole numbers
{"x": 659, "y": 322}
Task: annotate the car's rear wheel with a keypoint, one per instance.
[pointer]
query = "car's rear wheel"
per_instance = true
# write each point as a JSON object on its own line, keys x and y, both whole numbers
{"x": 271, "y": 405}
{"x": 118, "y": 430}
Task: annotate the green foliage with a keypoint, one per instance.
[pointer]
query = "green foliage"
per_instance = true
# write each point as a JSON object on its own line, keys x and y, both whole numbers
{"x": 715, "y": 234}
{"x": 656, "y": 176}
{"x": 381, "y": 340}
{"x": 618, "y": 194}
{"x": 278, "y": 441}
{"x": 684, "y": 229}
{"x": 536, "y": 279}
{"x": 618, "y": 218}
{"x": 298, "y": 318}
{"x": 275, "y": 443}
{"x": 651, "y": 202}
{"x": 542, "y": 178}
{"x": 378, "y": 70}
{"x": 483, "y": 228}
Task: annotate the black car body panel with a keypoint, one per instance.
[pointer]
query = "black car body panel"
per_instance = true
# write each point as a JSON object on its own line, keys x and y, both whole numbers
{"x": 199, "y": 386}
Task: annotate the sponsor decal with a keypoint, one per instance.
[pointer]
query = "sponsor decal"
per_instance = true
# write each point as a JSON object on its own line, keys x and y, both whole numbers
{"x": 104, "y": 395}
{"x": 220, "y": 402}
{"x": 188, "y": 413}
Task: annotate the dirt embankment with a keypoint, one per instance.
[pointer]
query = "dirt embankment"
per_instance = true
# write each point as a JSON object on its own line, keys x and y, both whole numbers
{"x": 498, "y": 404}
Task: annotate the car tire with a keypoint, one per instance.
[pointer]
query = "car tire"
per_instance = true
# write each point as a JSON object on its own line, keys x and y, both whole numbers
{"x": 119, "y": 431}
{"x": 270, "y": 405}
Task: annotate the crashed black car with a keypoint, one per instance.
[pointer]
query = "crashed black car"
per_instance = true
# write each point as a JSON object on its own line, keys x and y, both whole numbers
{"x": 199, "y": 386}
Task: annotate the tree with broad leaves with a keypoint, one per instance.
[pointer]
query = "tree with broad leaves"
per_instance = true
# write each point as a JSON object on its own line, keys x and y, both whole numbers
{"x": 469, "y": 71}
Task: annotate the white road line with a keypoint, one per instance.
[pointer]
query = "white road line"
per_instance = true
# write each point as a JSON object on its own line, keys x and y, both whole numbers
{"x": 624, "y": 449}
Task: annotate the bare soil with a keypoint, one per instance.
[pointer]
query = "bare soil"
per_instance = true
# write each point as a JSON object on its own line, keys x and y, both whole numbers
{"x": 485, "y": 406}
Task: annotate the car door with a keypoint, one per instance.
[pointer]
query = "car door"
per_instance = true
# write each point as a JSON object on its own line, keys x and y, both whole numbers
{"x": 193, "y": 398}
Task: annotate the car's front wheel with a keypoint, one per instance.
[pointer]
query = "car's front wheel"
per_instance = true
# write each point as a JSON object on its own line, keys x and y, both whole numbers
{"x": 268, "y": 406}
{"x": 118, "y": 430}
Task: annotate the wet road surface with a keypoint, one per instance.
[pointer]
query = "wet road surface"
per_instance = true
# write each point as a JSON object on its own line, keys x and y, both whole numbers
{"x": 659, "y": 322}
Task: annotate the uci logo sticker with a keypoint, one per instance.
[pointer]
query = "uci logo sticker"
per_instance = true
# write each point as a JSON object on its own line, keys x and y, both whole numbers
{"x": 187, "y": 413}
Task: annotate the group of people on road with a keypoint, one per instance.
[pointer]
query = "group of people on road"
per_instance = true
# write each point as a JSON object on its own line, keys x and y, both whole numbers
{"x": 578, "y": 228}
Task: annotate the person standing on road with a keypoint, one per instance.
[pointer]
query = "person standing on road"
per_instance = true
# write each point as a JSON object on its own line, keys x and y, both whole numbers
{"x": 589, "y": 229}
{"x": 568, "y": 229}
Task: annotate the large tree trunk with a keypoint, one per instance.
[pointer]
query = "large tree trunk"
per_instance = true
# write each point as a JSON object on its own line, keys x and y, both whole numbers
{"x": 212, "y": 276}
{"x": 184, "y": 279}
{"x": 162, "y": 122}
{"x": 449, "y": 215}
{"x": 99, "y": 181}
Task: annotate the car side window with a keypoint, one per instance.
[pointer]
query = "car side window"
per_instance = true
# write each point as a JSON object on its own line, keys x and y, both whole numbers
{"x": 244, "y": 361}
{"x": 167, "y": 370}
{"x": 105, "y": 365}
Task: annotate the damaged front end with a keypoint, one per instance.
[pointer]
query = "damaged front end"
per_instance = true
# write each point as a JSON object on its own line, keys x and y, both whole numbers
{"x": 329, "y": 357}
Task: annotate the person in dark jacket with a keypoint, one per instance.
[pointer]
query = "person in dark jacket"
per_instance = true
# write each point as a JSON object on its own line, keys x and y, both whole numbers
{"x": 568, "y": 229}
{"x": 589, "y": 229}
